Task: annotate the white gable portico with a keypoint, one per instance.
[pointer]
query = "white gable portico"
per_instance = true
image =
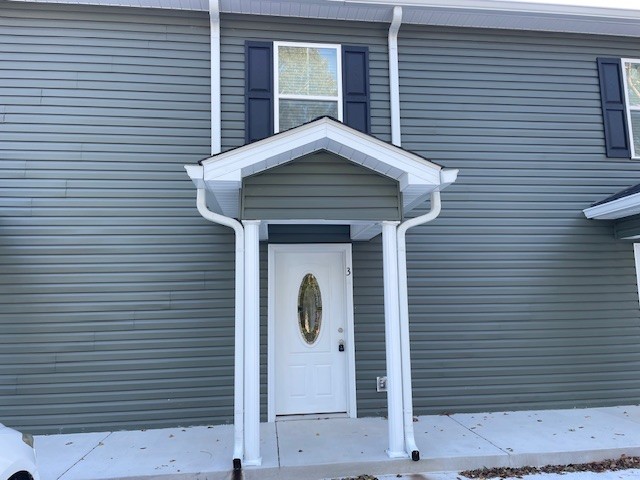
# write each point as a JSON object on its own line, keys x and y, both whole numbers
{"x": 222, "y": 174}
{"x": 365, "y": 186}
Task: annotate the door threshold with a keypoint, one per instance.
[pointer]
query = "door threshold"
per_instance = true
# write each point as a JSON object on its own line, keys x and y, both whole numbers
{"x": 311, "y": 416}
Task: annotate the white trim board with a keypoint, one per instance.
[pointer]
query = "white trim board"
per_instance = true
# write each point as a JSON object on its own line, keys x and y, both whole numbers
{"x": 636, "y": 255}
{"x": 345, "y": 249}
{"x": 619, "y": 208}
{"x": 491, "y": 14}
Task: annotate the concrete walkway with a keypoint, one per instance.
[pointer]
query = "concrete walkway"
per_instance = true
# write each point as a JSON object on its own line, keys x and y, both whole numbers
{"x": 315, "y": 449}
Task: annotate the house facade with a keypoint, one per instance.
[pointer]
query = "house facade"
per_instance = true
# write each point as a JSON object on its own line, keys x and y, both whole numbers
{"x": 119, "y": 299}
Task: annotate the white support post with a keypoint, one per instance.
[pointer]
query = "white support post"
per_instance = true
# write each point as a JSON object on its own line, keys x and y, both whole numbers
{"x": 252, "y": 342}
{"x": 392, "y": 340}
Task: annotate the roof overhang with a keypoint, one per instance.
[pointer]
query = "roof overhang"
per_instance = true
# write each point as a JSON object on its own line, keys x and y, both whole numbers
{"x": 222, "y": 174}
{"x": 511, "y": 15}
{"x": 615, "y": 209}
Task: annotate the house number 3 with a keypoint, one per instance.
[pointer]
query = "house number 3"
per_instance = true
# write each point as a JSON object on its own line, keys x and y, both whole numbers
{"x": 348, "y": 271}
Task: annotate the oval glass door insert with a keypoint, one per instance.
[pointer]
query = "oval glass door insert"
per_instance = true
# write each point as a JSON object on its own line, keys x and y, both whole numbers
{"x": 309, "y": 308}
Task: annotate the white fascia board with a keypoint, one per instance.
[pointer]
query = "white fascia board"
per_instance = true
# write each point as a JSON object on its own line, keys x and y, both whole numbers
{"x": 620, "y": 208}
{"x": 530, "y": 16}
{"x": 505, "y": 6}
{"x": 356, "y": 146}
{"x": 366, "y": 10}
{"x": 387, "y": 154}
{"x": 233, "y": 161}
{"x": 197, "y": 5}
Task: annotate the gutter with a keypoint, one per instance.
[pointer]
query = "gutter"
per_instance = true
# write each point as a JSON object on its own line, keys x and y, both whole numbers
{"x": 401, "y": 259}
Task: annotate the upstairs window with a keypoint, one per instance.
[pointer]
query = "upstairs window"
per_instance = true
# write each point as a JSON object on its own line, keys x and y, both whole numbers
{"x": 288, "y": 84}
{"x": 631, "y": 74}
{"x": 308, "y": 83}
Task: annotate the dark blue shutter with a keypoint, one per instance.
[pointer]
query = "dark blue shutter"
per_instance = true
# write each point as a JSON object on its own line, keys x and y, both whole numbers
{"x": 258, "y": 91}
{"x": 355, "y": 88}
{"x": 614, "y": 112}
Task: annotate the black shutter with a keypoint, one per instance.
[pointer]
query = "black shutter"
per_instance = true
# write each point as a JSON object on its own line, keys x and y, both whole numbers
{"x": 355, "y": 88}
{"x": 614, "y": 112}
{"x": 258, "y": 91}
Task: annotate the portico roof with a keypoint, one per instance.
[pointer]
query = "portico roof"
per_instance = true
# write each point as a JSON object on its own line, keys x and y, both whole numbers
{"x": 619, "y": 205}
{"x": 222, "y": 174}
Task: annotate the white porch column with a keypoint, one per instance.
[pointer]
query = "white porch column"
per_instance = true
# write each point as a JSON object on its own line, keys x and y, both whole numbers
{"x": 252, "y": 342}
{"x": 392, "y": 339}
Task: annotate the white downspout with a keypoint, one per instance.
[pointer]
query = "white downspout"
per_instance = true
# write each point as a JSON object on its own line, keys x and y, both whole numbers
{"x": 238, "y": 376}
{"x": 407, "y": 394}
{"x": 394, "y": 81}
{"x": 216, "y": 122}
{"x": 216, "y": 147}
{"x": 396, "y": 139}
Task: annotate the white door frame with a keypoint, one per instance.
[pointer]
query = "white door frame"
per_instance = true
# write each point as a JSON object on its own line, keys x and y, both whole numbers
{"x": 345, "y": 249}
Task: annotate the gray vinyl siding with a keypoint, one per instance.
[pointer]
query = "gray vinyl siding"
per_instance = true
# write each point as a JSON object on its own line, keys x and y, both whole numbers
{"x": 236, "y": 29}
{"x": 116, "y": 296}
{"x": 321, "y": 185}
{"x": 517, "y": 300}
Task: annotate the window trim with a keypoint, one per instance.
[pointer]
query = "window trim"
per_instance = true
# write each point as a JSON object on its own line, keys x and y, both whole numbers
{"x": 627, "y": 107}
{"x": 276, "y": 85}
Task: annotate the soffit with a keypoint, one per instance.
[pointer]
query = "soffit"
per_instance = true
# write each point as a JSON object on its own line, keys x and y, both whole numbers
{"x": 460, "y": 13}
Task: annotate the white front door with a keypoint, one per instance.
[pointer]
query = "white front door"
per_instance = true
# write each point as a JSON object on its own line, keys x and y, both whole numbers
{"x": 311, "y": 324}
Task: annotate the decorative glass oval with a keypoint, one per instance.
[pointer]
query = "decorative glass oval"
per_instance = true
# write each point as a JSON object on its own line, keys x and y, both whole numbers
{"x": 309, "y": 308}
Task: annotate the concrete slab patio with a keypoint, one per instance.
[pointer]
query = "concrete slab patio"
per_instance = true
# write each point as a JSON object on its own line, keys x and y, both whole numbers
{"x": 315, "y": 449}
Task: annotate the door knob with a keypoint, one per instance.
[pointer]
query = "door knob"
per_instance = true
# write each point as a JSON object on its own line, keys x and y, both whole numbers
{"x": 341, "y": 346}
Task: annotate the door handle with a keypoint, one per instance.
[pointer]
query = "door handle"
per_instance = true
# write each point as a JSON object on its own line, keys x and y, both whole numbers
{"x": 341, "y": 346}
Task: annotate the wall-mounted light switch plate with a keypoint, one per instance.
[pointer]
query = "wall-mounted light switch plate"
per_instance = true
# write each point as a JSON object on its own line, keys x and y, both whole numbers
{"x": 381, "y": 384}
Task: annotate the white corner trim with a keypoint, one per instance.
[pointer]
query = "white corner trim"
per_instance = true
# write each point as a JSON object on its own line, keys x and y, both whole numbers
{"x": 351, "y": 353}
{"x": 636, "y": 256}
{"x": 252, "y": 342}
{"x": 619, "y": 208}
{"x": 271, "y": 332}
{"x": 393, "y": 347}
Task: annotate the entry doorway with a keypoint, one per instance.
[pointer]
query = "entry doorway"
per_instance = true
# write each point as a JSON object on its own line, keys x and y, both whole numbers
{"x": 311, "y": 354}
